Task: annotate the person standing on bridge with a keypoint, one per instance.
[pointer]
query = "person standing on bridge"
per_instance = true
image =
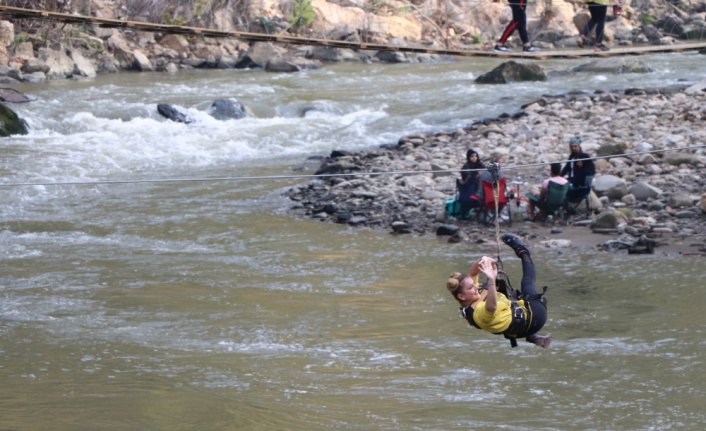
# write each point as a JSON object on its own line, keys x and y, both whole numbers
{"x": 599, "y": 12}
{"x": 519, "y": 23}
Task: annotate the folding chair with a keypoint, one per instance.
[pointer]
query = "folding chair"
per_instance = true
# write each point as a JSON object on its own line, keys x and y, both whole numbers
{"x": 486, "y": 214}
{"x": 555, "y": 201}
{"x": 576, "y": 196}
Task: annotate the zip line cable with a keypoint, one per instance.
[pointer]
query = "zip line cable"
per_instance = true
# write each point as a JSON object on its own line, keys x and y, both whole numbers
{"x": 526, "y": 166}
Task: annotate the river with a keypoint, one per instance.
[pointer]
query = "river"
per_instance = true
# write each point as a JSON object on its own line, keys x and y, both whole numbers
{"x": 128, "y": 302}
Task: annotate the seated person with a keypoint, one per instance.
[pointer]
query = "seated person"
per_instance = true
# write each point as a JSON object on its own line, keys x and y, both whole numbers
{"x": 468, "y": 185}
{"x": 577, "y": 168}
{"x": 486, "y": 176}
{"x": 538, "y": 201}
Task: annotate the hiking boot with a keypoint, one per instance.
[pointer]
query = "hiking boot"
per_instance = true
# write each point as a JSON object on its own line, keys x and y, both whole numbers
{"x": 600, "y": 47}
{"x": 501, "y": 48}
{"x": 514, "y": 242}
{"x": 530, "y": 49}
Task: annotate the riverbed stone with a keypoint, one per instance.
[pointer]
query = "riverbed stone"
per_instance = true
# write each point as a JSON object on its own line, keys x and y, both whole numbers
{"x": 32, "y": 65}
{"x": 227, "y": 109}
{"x": 615, "y": 65}
{"x": 643, "y": 191}
{"x": 556, "y": 243}
{"x": 13, "y": 96}
{"x": 34, "y": 78}
{"x": 447, "y": 229}
{"x": 679, "y": 158}
{"x": 680, "y": 200}
{"x": 82, "y": 66}
{"x": 611, "y": 186}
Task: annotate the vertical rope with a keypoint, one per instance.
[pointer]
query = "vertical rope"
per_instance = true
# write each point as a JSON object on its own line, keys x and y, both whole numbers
{"x": 496, "y": 197}
{"x": 494, "y": 170}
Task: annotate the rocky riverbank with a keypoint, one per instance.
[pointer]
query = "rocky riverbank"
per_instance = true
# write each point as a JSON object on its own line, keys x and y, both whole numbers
{"x": 653, "y": 197}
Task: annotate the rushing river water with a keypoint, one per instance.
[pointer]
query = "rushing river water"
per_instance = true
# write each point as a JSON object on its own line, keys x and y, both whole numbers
{"x": 201, "y": 305}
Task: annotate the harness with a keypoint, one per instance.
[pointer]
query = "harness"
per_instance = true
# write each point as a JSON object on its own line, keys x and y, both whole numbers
{"x": 521, "y": 314}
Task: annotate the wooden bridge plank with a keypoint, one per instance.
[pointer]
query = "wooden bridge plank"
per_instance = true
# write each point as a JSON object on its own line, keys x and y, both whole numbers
{"x": 280, "y": 38}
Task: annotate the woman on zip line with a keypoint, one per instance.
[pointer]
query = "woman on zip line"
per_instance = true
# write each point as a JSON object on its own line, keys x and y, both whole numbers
{"x": 487, "y": 309}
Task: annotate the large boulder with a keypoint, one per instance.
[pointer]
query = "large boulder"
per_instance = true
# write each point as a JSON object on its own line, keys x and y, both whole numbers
{"x": 262, "y": 52}
{"x": 176, "y": 42}
{"x": 356, "y": 20}
{"x": 332, "y": 55}
{"x": 227, "y": 109}
{"x": 610, "y": 186}
{"x": 123, "y": 54}
{"x": 12, "y": 96}
{"x": 608, "y": 219}
{"x": 281, "y": 65}
{"x": 513, "y": 71}
{"x": 82, "y": 66}
{"x": 7, "y": 37}
{"x": 23, "y": 51}
{"x": 644, "y": 191}
{"x": 141, "y": 62}
{"x": 34, "y": 65}
{"x": 10, "y": 123}
{"x": 615, "y": 65}
{"x": 61, "y": 66}
{"x": 172, "y": 113}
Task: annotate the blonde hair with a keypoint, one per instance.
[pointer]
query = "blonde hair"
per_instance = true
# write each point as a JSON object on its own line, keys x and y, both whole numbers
{"x": 454, "y": 283}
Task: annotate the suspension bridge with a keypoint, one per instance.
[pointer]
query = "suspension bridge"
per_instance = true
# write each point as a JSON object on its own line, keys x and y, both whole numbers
{"x": 17, "y": 13}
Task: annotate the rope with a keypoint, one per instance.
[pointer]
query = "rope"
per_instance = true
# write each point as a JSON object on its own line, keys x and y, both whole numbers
{"x": 494, "y": 169}
{"x": 310, "y": 176}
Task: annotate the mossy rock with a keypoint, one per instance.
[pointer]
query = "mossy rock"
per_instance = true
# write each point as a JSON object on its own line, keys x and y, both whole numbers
{"x": 10, "y": 123}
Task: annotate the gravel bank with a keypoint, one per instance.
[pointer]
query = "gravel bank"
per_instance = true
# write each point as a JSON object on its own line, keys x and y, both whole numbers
{"x": 656, "y": 192}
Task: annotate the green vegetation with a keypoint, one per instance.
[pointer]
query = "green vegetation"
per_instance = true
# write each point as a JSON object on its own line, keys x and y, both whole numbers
{"x": 172, "y": 20}
{"x": 21, "y": 37}
{"x": 477, "y": 38}
{"x": 303, "y": 14}
{"x": 266, "y": 24}
{"x": 647, "y": 19}
{"x": 376, "y": 5}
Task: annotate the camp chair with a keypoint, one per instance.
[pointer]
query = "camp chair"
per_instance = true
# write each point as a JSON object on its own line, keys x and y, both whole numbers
{"x": 461, "y": 207}
{"x": 579, "y": 195}
{"x": 555, "y": 202}
{"x": 486, "y": 214}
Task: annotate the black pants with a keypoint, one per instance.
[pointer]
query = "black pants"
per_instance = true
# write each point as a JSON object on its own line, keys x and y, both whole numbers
{"x": 598, "y": 16}
{"x": 531, "y": 296}
{"x": 519, "y": 22}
